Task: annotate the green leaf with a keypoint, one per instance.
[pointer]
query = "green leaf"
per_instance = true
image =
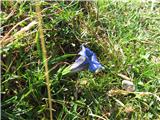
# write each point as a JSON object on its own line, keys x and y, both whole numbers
{"x": 63, "y": 57}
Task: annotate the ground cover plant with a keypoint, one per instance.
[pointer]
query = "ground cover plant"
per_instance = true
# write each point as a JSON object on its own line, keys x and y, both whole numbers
{"x": 125, "y": 36}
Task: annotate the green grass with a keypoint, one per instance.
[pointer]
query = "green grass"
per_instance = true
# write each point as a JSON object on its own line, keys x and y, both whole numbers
{"x": 124, "y": 35}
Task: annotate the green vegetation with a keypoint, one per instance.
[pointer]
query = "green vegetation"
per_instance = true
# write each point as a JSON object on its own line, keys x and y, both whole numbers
{"x": 125, "y": 37}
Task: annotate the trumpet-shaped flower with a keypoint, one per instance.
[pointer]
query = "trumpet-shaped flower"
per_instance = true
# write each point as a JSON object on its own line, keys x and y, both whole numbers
{"x": 88, "y": 60}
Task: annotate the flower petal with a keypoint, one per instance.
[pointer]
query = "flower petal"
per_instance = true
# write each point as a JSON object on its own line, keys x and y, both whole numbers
{"x": 94, "y": 59}
{"x": 83, "y": 51}
{"x": 79, "y": 64}
{"x": 93, "y": 67}
{"x": 86, "y": 52}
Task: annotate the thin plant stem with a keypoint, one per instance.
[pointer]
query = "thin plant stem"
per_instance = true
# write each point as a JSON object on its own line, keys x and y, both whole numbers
{"x": 45, "y": 61}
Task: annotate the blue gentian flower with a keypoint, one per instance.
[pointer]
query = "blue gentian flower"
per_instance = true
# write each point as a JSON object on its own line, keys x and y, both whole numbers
{"x": 87, "y": 59}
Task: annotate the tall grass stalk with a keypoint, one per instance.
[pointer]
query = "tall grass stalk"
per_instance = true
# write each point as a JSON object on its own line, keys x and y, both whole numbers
{"x": 45, "y": 61}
